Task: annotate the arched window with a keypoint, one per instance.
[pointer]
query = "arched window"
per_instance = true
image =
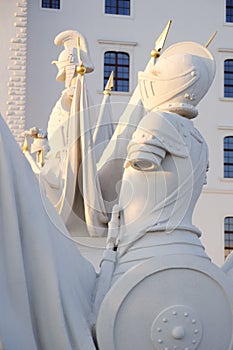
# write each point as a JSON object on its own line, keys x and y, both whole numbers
{"x": 228, "y": 78}
{"x": 117, "y": 7}
{"x": 51, "y": 4}
{"x": 119, "y": 63}
{"x": 228, "y": 235}
{"x": 229, "y": 10}
{"x": 228, "y": 157}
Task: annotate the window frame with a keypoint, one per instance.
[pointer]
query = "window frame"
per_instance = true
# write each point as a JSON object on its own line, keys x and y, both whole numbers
{"x": 118, "y": 46}
{"x": 229, "y": 164}
{"x": 224, "y": 130}
{"x": 228, "y": 249}
{"x": 131, "y": 16}
{"x": 225, "y": 54}
{"x": 117, "y": 67}
{"x": 231, "y": 80}
{"x": 225, "y": 15}
{"x": 117, "y": 8}
{"x": 50, "y": 8}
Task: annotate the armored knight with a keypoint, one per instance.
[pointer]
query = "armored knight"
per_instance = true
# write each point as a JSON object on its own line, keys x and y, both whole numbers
{"x": 70, "y": 63}
{"x": 68, "y": 130}
{"x": 161, "y": 299}
{"x": 163, "y": 278}
{"x": 167, "y": 157}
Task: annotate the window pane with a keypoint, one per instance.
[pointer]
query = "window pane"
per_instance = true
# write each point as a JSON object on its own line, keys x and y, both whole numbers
{"x": 51, "y": 4}
{"x": 123, "y": 7}
{"x": 110, "y": 6}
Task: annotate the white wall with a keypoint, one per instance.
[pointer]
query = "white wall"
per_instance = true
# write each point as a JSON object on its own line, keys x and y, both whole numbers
{"x": 142, "y": 28}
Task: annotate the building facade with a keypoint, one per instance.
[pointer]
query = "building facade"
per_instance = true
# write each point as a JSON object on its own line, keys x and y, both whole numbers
{"x": 121, "y": 34}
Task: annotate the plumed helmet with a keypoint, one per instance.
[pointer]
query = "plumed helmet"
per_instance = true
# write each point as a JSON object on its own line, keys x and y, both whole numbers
{"x": 75, "y": 52}
{"x": 180, "y": 78}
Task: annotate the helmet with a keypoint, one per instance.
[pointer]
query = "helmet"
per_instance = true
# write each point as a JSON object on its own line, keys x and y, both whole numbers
{"x": 69, "y": 57}
{"x": 179, "y": 79}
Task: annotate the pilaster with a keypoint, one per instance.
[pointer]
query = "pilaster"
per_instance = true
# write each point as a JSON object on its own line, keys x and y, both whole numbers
{"x": 16, "y": 104}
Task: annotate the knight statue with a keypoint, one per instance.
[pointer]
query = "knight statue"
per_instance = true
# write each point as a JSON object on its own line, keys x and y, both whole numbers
{"x": 167, "y": 155}
{"x": 162, "y": 278}
{"x": 156, "y": 288}
{"x": 65, "y": 147}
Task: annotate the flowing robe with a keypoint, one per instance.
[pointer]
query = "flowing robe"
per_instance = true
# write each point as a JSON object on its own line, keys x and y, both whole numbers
{"x": 46, "y": 286}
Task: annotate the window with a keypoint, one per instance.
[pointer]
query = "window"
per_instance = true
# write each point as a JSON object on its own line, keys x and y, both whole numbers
{"x": 117, "y": 7}
{"x": 228, "y": 78}
{"x": 229, "y": 10}
{"x": 228, "y": 157}
{"x": 228, "y": 235}
{"x": 51, "y": 4}
{"x": 117, "y": 56}
{"x": 119, "y": 63}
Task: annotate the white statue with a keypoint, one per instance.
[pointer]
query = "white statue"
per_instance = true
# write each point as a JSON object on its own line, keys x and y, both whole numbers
{"x": 67, "y": 166}
{"x": 73, "y": 60}
{"x": 167, "y": 157}
{"x": 165, "y": 291}
{"x": 46, "y": 286}
{"x": 39, "y": 146}
{"x": 157, "y": 288}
